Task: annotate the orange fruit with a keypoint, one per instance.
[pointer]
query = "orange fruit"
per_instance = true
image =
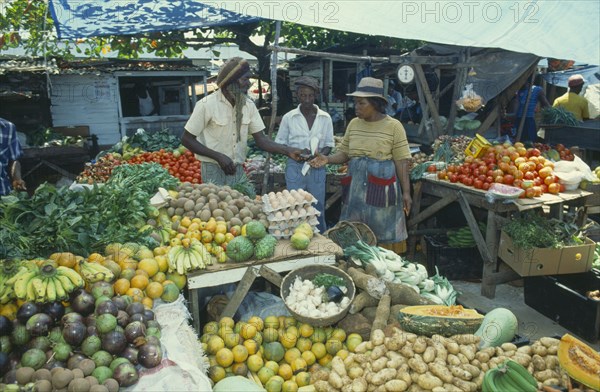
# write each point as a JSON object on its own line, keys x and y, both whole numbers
{"x": 255, "y": 362}
{"x": 136, "y": 294}
{"x": 289, "y": 386}
{"x": 171, "y": 292}
{"x": 304, "y": 344}
{"x": 185, "y": 222}
{"x": 150, "y": 266}
{"x": 163, "y": 263}
{"x": 159, "y": 277}
{"x": 285, "y": 371}
{"x": 240, "y": 353}
{"x": 219, "y": 238}
{"x": 257, "y": 322}
{"x": 227, "y": 322}
{"x": 139, "y": 282}
{"x": 306, "y": 330}
{"x": 154, "y": 290}
{"x": 95, "y": 258}
{"x": 142, "y": 272}
{"x": 252, "y": 346}
{"x": 224, "y": 357}
{"x": 147, "y": 302}
{"x": 291, "y": 354}
{"x": 178, "y": 279}
{"x": 303, "y": 379}
{"x": 221, "y": 228}
{"x": 127, "y": 273}
{"x": 248, "y": 331}
{"x": 216, "y": 373}
{"x": 319, "y": 350}
{"x": 210, "y": 328}
{"x": 214, "y": 344}
{"x": 121, "y": 286}
{"x": 128, "y": 263}
{"x": 239, "y": 369}
{"x": 309, "y": 357}
{"x": 211, "y": 225}
{"x": 206, "y": 236}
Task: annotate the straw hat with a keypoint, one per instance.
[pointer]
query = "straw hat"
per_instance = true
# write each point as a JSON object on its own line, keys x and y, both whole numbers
{"x": 575, "y": 80}
{"x": 369, "y": 87}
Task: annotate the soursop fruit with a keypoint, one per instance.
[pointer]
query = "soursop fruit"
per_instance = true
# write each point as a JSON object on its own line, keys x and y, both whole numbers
{"x": 265, "y": 247}
{"x": 240, "y": 249}
{"x": 255, "y": 230}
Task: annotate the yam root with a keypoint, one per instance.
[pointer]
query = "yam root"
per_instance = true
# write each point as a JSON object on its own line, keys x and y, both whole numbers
{"x": 383, "y": 313}
{"x": 394, "y": 310}
{"x": 370, "y": 312}
{"x": 402, "y": 294}
{"x": 362, "y": 300}
{"x": 373, "y": 286}
{"x": 356, "y": 323}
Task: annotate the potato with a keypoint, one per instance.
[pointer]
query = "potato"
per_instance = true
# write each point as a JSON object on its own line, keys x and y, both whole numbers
{"x": 377, "y": 337}
{"x": 461, "y": 373}
{"x": 453, "y": 360}
{"x": 335, "y": 380}
{"x": 404, "y": 374}
{"x": 510, "y": 353}
{"x": 441, "y": 371}
{"x": 363, "y": 347}
{"x": 451, "y": 388}
{"x": 552, "y": 350}
{"x": 380, "y": 364}
{"x": 508, "y": 347}
{"x": 349, "y": 361}
{"x": 525, "y": 350}
{"x": 440, "y": 350}
{"x": 551, "y": 362}
{"x": 396, "y": 342}
{"x": 420, "y": 345}
{"x": 484, "y": 367}
{"x": 322, "y": 386}
{"x": 538, "y": 363}
{"x": 383, "y": 376}
{"x": 337, "y": 366}
{"x": 553, "y": 381}
{"x": 543, "y": 375}
{"x": 321, "y": 374}
{"x": 549, "y": 342}
{"x": 499, "y": 351}
{"x": 378, "y": 352}
{"x": 474, "y": 370}
{"x": 468, "y": 351}
{"x": 482, "y": 356}
{"x": 417, "y": 365}
{"x": 396, "y": 362}
{"x": 466, "y": 339}
{"x": 479, "y": 380}
{"x": 396, "y": 386}
{"x": 411, "y": 337}
{"x": 466, "y": 386}
{"x": 429, "y": 381}
{"x": 407, "y": 351}
{"x": 429, "y": 354}
{"x": 452, "y": 347}
{"x": 359, "y": 385}
{"x": 539, "y": 350}
{"x": 355, "y": 372}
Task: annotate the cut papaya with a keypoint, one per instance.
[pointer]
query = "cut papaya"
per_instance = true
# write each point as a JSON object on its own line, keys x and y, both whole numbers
{"x": 581, "y": 362}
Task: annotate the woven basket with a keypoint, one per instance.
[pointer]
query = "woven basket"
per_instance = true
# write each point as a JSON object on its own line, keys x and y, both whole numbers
{"x": 593, "y": 200}
{"x": 309, "y": 272}
{"x": 347, "y": 233}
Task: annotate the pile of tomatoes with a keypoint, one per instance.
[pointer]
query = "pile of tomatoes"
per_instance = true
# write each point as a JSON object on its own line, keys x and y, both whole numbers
{"x": 507, "y": 164}
{"x": 564, "y": 153}
{"x": 182, "y": 165}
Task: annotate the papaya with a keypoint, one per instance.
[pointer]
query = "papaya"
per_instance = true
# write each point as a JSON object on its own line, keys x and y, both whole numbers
{"x": 581, "y": 362}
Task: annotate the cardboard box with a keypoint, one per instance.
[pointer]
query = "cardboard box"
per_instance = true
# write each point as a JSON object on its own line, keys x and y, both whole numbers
{"x": 546, "y": 261}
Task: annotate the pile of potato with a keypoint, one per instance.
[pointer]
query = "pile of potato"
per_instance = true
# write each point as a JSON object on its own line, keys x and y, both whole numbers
{"x": 404, "y": 361}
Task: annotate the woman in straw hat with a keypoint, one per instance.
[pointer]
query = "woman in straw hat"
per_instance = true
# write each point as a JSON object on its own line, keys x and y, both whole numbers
{"x": 377, "y": 188}
{"x": 217, "y": 131}
{"x": 297, "y": 128}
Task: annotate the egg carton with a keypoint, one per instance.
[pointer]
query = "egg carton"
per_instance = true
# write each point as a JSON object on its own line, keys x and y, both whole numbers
{"x": 287, "y": 200}
{"x": 287, "y": 227}
{"x": 293, "y": 214}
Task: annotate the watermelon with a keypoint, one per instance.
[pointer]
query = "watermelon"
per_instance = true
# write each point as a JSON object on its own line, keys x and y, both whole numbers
{"x": 502, "y": 191}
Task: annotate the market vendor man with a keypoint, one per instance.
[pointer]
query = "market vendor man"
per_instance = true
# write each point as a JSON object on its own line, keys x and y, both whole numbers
{"x": 572, "y": 101}
{"x": 297, "y": 128}
{"x": 217, "y": 131}
{"x": 10, "y": 152}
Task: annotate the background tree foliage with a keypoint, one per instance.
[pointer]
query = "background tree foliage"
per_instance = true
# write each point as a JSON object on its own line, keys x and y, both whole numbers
{"x": 28, "y": 25}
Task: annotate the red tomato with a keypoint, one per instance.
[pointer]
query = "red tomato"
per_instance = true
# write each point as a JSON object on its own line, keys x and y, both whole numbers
{"x": 431, "y": 168}
{"x": 485, "y": 186}
{"x": 528, "y": 175}
{"x": 453, "y": 177}
{"x": 478, "y": 184}
{"x": 554, "y": 188}
{"x": 468, "y": 181}
{"x": 509, "y": 179}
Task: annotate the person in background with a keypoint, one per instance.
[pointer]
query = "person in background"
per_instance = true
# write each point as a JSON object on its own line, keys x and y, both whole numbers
{"x": 297, "y": 128}
{"x": 10, "y": 152}
{"x": 377, "y": 188}
{"x": 146, "y": 104}
{"x": 529, "y": 132}
{"x": 572, "y": 101}
{"x": 217, "y": 131}
{"x": 395, "y": 99}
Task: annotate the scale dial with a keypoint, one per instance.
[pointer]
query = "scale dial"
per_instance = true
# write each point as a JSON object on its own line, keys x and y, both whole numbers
{"x": 406, "y": 74}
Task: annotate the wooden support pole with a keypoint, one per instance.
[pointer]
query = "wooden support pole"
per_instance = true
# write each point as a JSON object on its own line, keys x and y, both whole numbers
{"x": 432, "y": 209}
{"x": 240, "y": 293}
{"x": 430, "y": 102}
{"x": 479, "y": 240}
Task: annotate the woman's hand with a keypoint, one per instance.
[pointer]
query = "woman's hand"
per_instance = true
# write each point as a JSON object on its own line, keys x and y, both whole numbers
{"x": 407, "y": 200}
{"x": 319, "y": 161}
{"x": 19, "y": 185}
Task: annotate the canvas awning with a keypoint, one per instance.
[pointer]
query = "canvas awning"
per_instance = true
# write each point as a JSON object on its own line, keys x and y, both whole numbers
{"x": 559, "y": 29}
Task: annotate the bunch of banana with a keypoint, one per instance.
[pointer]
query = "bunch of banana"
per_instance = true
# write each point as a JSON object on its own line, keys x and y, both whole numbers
{"x": 94, "y": 272}
{"x": 46, "y": 284}
{"x": 188, "y": 256}
{"x": 463, "y": 238}
{"x": 509, "y": 376}
{"x": 8, "y": 269}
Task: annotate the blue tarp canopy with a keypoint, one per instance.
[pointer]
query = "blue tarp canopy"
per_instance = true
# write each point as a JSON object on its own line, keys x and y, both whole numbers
{"x": 590, "y": 73}
{"x": 81, "y": 19}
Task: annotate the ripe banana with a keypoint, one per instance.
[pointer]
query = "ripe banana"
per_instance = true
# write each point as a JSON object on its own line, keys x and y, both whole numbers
{"x": 94, "y": 272}
{"x": 61, "y": 292}
{"x": 71, "y": 275}
{"x": 39, "y": 287}
{"x": 21, "y": 283}
{"x": 50, "y": 290}
{"x": 67, "y": 285}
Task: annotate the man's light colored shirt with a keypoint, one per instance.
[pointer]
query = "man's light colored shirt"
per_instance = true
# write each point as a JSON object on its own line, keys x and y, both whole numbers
{"x": 294, "y": 132}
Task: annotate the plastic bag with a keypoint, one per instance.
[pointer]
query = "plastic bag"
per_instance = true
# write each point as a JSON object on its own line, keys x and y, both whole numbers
{"x": 574, "y": 169}
{"x": 261, "y": 305}
{"x": 470, "y": 101}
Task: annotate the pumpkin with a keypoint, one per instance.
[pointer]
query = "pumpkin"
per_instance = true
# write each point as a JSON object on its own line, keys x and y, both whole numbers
{"x": 442, "y": 320}
{"x": 581, "y": 362}
{"x": 499, "y": 326}
{"x": 237, "y": 383}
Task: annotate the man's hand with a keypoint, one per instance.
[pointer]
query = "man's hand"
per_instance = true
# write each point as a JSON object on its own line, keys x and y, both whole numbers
{"x": 226, "y": 164}
{"x": 319, "y": 161}
{"x": 19, "y": 185}
{"x": 295, "y": 154}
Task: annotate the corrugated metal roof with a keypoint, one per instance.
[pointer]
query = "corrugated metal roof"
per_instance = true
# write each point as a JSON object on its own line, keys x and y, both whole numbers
{"x": 92, "y": 66}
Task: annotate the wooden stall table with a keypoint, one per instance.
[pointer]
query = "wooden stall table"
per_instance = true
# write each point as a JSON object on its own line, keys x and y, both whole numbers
{"x": 321, "y": 250}
{"x": 56, "y": 158}
{"x": 497, "y": 211}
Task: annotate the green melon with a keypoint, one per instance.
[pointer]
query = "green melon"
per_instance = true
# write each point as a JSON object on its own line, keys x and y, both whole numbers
{"x": 442, "y": 320}
{"x": 499, "y": 326}
{"x": 265, "y": 247}
{"x": 255, "y": 230}
{"x": 299, "y": 241}
{"x": 240, "y": 249}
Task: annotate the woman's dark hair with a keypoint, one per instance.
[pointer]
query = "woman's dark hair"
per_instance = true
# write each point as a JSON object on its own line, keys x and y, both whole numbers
{"x": 378, "y": 103}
